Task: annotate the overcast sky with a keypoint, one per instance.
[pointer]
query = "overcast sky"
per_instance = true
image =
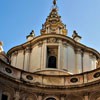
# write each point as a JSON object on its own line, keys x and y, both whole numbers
{"x": 19, "y": 17}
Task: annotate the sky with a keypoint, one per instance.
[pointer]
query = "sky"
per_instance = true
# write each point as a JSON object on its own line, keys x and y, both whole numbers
{"x": 19, "y": 17}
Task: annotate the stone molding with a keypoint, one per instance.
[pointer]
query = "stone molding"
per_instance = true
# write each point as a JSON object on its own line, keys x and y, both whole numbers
{"x": 57, "y": 36}
{"x": 79, "y": 51}
{"x": 27, "y": 50}
{"x": 15, "y": 53}
{"x": 52, "y": 40}
{"x": 40, "y": 79}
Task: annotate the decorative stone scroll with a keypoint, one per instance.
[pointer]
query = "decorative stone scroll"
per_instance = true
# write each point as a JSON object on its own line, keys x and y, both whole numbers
{"x": 78, "y": 51}
{"x": 52, "y": 51}
{"x": 65, "y": 43}
{"x": 92, "y": 55}
{"x": 52, "y": 40}
{"x": 15, "y": 53}
{"x": 40, "y": 43}
{"x": 28, "y": 49}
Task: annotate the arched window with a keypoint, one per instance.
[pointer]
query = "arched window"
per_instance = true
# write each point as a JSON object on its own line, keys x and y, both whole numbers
{"x": 51, "y": 98}
{"x": 52, "y": 62}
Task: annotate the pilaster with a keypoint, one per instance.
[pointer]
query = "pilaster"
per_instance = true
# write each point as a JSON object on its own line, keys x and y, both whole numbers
{"x": 62, "y": 98}
{"x": 27, "y": 59}
{"x": 86, "y": 97}
{"x": 65, "y": 55}
{"x": 14, "y": 58}
{"x": 44, "y": 54}
{"x": 59, "y": 54}
{"x": 40, "y": 95}
{"x": 79, "y": 61}
{"x": 17, "y": 96}
{"x": 85, "y": 78}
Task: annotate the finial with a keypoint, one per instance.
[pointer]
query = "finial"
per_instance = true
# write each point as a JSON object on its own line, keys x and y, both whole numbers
{"x": 30, "y": 36}
{"x": 76, "y": 37}
{"x": 54, "y": 2}
{"x": 1, "y": 48}
{"x": 1, "y": 43}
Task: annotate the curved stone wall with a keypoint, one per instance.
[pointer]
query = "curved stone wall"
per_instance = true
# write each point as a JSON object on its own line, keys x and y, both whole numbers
{"x": 71, "y": 56}
{"x": 59, "y": 85}
{"x": 53, "y": 78}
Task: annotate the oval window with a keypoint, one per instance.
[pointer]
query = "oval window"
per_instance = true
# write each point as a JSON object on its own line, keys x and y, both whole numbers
{"x": 50, "y": 98}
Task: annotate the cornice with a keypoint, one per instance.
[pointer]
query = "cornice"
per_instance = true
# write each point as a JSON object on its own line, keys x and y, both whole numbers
{"x": 26, "y": 85}
{"x": 57, "y": 36}
{"x": 21, "y": 78}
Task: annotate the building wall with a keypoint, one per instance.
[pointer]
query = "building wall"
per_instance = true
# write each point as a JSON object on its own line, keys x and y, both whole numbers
{"x": 45, "y": 84}
{"x": 13, "y": 59}
{"x": 69, "y": 58}
{"x": 35, "y": 59}
{"x": 65, "y": 57}
{"x": 24, "y": 92}
{"x": 20, "y": 59}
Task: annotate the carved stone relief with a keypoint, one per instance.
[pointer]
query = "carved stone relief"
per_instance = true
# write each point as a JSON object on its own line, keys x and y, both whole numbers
{"x": 52, "y": 40}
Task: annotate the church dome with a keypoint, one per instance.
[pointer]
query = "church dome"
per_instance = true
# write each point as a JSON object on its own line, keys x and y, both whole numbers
{"x": 53, "y": 49}
{"x": 51, "y": 66}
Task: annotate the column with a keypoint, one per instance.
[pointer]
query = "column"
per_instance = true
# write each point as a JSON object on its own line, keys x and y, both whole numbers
{"x": 27, "y": 59}
{"x": 17, "y": 96}
{"x": 78, "y": 61}
{"x": 40, "y": 96}
{"x": 86, "y": 97}
{"x": 14, "y": 58}
{"x": 59, "y": 54}
{"x": 62, "y": 96}
{"x": 85, "y": 78}
{"x": 65, "y": 56}
{"x": 20, "y": 57}
{"x": 43, "y": 55}
{"x": 86, "y": 62}
{"x": 92, "y": 61}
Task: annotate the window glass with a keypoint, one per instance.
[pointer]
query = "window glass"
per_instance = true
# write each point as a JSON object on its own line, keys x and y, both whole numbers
{"x": 4, "y": 97}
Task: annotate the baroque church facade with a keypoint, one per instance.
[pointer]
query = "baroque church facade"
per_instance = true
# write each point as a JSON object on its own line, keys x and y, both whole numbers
{"x": 51, "y": 66}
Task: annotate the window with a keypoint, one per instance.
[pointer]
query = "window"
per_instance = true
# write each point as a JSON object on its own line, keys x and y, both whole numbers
{"x": 51, "y": 98}
{"x": 52, "y": 62}
{"x": 52, "y": 57}
{"x": 4, "y": 97}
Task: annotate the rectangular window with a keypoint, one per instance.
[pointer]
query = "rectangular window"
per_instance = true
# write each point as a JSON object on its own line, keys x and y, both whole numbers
{"x": 4, "y": 97}
{"x": 52, "y": 56}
